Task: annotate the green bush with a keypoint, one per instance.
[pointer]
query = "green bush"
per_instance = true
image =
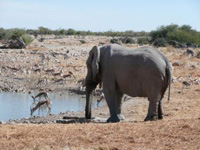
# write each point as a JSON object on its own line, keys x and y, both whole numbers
{"x": 181, "y": 34}
{"x": 2, "y": 33}
{"x": 128, "y": 40}
{"x": 160, "y": 42}
{"x": 27, "y": 39}
{"x": 82, "y": 41}
{"x": 70, "y": 32}
{"x": 143, "y": 40}
{"x": 15, "y": 34}
{"x": 114, "y": 41}
{"x": 43, "y": 30}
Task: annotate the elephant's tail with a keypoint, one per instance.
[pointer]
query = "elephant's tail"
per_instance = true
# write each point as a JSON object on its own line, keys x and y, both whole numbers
{"x": 169, "y": 71}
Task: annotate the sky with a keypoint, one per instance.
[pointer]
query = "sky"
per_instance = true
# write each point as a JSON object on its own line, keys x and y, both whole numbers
{"x": 99, "y": 15}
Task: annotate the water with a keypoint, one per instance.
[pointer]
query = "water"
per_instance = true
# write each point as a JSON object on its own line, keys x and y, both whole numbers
{"x": 17, "y": 105}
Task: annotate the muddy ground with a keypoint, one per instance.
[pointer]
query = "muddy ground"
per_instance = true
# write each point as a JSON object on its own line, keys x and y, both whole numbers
{"x": 58, "y": 65}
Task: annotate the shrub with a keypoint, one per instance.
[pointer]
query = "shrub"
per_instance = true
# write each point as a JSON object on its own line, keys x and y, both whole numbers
{"x": 176, "y": 44}
{"x": 43, "y": 30}
{"x": 27, "y": 39}
{"x": 183, "y": 34}
{"x": 41, "y": 39}
{"x": 2, "y": 33}
{"x": 15, "y": 34}
{"x": 116, "y": 41}
{"x": 128, "y": 40}
{"x": 82, "y": 41}
{"x": 70, "y": 32}
{"x": 143, "y": 40}
{"x": 160, "y": 42}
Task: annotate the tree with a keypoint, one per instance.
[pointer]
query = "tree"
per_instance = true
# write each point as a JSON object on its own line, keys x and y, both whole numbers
{"x": 70, "y": 32}
{"x": 43, "y": 30}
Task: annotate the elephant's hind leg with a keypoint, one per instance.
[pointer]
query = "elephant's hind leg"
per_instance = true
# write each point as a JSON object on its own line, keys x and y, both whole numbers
{"x": 153, "y": 108}
{"x": 160, "y": 110}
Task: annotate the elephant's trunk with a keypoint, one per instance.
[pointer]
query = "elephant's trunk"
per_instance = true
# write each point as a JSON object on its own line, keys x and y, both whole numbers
{"x": 88, "y": 111}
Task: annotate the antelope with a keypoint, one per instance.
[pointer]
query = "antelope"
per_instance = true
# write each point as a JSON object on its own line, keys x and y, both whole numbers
{"x": 58, "y": 73}
{"x": 101, "y": 98}
{"x": 47, "y": 101}
{"x": 185, "y": 85}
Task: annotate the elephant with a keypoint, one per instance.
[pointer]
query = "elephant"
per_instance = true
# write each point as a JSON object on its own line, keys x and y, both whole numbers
{"x": 142, "y": 72}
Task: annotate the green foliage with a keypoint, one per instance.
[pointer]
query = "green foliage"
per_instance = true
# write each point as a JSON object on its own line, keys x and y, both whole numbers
{"x": 32, "y": 32}
{"x": 128, "y": 40}
{"x": 182, "y": 34}
{"x": 160, "y": 42}
{"x": 143, "y": 40}
{"x": 70, "y": 32}
{"x": 2, "y": 33}
{"x": 82, "y": 41}
{"x": 27, "y": 39}
{"x": 15, "y": 33}
{"x": 43, "y": 30}
{"x": 114, "y": 41}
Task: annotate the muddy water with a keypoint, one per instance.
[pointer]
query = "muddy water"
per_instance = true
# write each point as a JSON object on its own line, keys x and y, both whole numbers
{"x": 17, "y": 105}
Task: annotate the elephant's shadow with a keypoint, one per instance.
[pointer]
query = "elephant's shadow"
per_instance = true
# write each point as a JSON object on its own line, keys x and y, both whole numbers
{"x": 68, "y": 120}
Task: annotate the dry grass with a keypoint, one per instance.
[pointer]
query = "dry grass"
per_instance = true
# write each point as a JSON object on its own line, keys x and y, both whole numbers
{"x": 174, "y": 134}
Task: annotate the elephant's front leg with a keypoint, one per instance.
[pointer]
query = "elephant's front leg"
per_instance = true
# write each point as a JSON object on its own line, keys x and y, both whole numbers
{"x": 111, "y": 96}
{"x": 118, "y": 101}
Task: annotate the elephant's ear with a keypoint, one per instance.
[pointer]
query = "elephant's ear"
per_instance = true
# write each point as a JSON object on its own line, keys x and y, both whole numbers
{"x": 95, "y": 62}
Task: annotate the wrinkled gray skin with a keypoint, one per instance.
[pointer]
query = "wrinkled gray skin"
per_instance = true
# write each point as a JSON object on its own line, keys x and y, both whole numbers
{"x": 143, "y": 72}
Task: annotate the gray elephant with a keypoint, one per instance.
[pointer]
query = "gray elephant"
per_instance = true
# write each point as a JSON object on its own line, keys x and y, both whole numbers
{"x": 143, "y": 72}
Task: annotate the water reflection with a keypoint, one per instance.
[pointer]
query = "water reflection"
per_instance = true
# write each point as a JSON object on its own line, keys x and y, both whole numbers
{"x": 17, "y": 105}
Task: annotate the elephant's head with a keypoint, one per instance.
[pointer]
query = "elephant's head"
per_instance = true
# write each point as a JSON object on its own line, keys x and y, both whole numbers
{"x": 92, "y": 78}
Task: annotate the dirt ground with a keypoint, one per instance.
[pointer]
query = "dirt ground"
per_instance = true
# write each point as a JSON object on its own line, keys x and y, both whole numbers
{"x": 22, "y": 70}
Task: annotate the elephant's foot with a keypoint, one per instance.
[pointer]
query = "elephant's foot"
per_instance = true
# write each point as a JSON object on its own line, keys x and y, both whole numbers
{"x": 121, "y": 117}
{"x": 160, "y": 117}
{"x": 113, "y": 119}
{"x": 151, "y": 118}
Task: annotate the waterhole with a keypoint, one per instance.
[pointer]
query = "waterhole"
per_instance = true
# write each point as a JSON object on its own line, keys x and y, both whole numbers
{"x": 17, "y": 105}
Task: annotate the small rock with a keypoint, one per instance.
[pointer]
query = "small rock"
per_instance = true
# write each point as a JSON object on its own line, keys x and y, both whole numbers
{"x": 22, "y": 51}
{"x": 198, "y": 55}
{"x": 16, "y": 44}
{"x": 189, "y": 52}
{"x": 177, "y": 64}
{"x": 193, "y": 66}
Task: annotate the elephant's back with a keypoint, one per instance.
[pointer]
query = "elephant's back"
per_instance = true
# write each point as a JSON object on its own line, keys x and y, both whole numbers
{"x": 141, "y": 57}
